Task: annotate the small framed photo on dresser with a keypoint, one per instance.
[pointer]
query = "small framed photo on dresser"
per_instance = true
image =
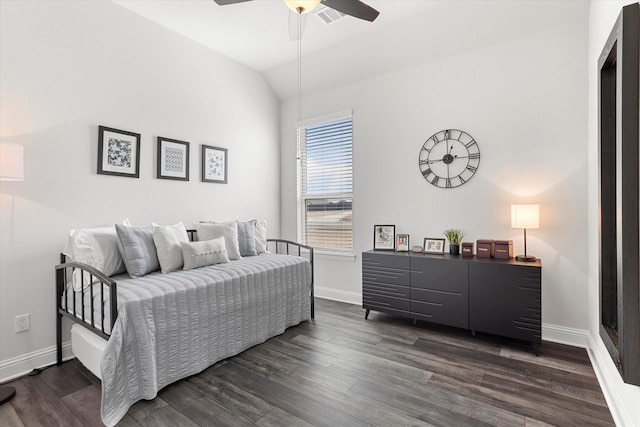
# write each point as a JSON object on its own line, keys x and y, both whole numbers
{"x": 384, "y": 237}
{"x": 433, "y": 246}
{"x": 402, "y": 243}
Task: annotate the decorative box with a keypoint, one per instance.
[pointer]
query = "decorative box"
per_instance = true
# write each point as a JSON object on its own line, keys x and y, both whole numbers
{"x": 485, "y": 248}
{"x": 467, "y": 249}
{"x": 503, "y": 249}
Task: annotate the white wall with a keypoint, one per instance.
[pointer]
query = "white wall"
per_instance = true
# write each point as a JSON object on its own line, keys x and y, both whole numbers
{"x": 67, "y": 67}
{"x": 525, "y": 101}
{"x": 603, "y": 15}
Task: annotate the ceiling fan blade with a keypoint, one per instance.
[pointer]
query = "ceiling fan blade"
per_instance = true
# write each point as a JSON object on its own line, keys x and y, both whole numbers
{"x": 226, "y": 2}
{"x": 294, "y": 35}
{"x": 353, "y": 8}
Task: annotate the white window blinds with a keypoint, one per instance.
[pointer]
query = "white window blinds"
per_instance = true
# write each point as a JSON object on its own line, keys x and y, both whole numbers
{"x": 325, "y": 184}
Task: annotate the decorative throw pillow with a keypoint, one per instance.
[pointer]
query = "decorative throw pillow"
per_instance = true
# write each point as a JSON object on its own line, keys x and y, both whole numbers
{"x": 261, "y": 235}
{"x": 228, "y": 230}
{"x": 246, "y": 238}
{"x": 137, "y": 249}
{"x": 202, "y": 253}
{"x": 97, "y": 247}
{"x": 167, "y": 240}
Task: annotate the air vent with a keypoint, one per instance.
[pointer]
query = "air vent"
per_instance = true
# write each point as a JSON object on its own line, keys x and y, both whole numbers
{"x": 328, "y": 15}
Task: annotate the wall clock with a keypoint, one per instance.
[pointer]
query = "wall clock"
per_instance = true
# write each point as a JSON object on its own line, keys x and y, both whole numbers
{"x": 449, "y": 158}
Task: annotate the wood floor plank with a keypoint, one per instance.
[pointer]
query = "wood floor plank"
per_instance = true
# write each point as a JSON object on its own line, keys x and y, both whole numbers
{"x": 278, "y": 418}
{"x": 85, "y": 405}
{"x": 9, "y": 416}
{"x": 301, "y": 406}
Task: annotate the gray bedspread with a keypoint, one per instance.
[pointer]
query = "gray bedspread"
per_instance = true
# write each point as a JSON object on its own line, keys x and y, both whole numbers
{"x": 171, "y": 326}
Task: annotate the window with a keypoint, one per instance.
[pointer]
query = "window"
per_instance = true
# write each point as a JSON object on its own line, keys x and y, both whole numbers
{"x": 325, "y": 183}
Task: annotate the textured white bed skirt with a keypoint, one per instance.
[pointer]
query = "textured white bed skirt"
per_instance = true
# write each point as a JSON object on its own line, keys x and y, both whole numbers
{"x": 88, "y": 348}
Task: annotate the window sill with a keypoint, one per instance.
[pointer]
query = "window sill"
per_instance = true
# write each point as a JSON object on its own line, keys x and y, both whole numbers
{"x": 334, "y": 256}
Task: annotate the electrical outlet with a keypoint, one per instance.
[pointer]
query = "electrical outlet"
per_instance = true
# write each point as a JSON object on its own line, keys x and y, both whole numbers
{"x": 23, "y": 323}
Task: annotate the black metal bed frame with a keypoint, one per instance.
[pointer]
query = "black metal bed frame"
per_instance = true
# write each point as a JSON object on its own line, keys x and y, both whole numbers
{"x": 65, "y": 270}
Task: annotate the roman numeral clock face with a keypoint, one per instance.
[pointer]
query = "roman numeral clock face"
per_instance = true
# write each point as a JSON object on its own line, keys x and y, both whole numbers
{"x": 449, "y": 158}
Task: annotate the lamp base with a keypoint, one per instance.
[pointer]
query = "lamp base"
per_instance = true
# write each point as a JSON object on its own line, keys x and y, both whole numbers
{"x": 6, "y": 394}
{"x": 526, "y": 258}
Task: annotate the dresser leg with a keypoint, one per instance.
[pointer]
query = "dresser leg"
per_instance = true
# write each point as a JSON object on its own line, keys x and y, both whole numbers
{"x": 415, "y": 322}
{"x": 366, "y": 314}
{"x": 536, "y": 347}
{"x": 473, "y": 333}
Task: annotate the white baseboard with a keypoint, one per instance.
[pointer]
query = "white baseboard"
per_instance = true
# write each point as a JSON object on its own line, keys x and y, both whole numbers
{"x": 338, "y": 295}
{"x": 23, "y": 364}
{"x": 599, "y": 361}
{"x": 564, "y": 335}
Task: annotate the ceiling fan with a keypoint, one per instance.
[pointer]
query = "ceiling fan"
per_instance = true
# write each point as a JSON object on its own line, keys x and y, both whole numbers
{"x": 354, "y": 8}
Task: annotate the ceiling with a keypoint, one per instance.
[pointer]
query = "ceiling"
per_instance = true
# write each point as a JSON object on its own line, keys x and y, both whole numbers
{"x": 405, "y": 34}
{"x": 256, "y": 33}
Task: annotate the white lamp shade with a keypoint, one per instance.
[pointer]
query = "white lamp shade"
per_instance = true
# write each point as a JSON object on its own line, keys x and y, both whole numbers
{"x": 525, "y": 216}
{"x": 306, "y": 5}
{"x": 11, "y": 161}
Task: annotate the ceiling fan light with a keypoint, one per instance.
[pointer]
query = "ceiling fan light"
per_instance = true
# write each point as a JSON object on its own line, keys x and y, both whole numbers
{"x": 305, "y": 5}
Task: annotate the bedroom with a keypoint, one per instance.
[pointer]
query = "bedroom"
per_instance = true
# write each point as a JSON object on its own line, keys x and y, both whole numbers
{"x": 527, "y": 91}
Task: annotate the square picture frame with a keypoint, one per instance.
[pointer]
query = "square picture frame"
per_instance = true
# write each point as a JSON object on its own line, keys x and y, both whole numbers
{"x": 433, "y": 246}
{"x": 384, "y": 237}
{"x": 402, "y": 243}
{"x": 214, "y": 164}
{"x": 172, "y": 159}
{"x": 118, "y": 152}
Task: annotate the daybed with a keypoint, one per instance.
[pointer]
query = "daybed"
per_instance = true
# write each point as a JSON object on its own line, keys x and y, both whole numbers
{"x": 160, "y": 328}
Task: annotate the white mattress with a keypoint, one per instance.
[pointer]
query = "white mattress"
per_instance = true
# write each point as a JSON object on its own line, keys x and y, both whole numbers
{"x": 88, "y": 348}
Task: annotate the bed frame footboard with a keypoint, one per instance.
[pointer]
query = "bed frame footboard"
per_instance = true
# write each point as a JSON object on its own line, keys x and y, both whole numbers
{"x": 89, "y": 277}
{"x": 281, "y": 246}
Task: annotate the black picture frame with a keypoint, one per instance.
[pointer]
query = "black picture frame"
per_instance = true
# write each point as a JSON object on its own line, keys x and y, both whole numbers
{"x": 214, "y": 164}
{"x": 172, "y": 159}
{"x": 402, "y": 242}
{"x": 118, "y": 152}
{"x": 433, "y": 246}
{"x": 384, "y": 237}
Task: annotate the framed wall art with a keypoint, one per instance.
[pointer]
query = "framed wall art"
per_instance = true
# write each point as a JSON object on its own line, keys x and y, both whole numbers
{"x": 118, "y": 152}
{"x": 214, "y": 164}
{"x": 402, "y": 242}
{"x": 433, "y": 246}
{"x": 384, "y": 237}
{"x": 173, "y": 159}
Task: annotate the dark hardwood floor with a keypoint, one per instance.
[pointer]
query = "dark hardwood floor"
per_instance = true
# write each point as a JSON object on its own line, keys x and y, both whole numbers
{"x": 342, "y": 370}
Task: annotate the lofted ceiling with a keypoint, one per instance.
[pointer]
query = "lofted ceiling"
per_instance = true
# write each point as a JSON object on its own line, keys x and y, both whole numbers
{"x": 407, "y": 32}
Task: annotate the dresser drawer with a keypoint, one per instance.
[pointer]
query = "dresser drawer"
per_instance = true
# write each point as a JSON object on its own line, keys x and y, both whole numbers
{"x": 389, "y": 290}
{"x": 375, "y": 302}
{"x": 441, "y": 275}
{"x": 440, "y": 307}
{"x": 385, "y": 269}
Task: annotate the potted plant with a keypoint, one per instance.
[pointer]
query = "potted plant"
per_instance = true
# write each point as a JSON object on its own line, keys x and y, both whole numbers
{"x": 454, "y": 236}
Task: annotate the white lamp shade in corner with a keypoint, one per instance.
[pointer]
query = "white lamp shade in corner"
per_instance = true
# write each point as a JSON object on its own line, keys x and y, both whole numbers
{"x": 525, "y": 216}
{"x": 11, "y": 161}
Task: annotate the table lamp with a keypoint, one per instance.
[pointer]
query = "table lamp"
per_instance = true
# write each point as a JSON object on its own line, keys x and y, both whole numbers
{"x": 525, "y": 216}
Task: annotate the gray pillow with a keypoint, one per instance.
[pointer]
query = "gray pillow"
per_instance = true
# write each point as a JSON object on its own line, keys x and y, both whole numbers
{"x": 200, "y": 254}
{"x": 137, "y": 250}
{"x": 247, "y": 238}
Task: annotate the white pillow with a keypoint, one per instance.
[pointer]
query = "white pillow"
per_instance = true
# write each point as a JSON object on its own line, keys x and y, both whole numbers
{"x": 167, "y": 240}
{"x": 261, "y": 235}
{"x": 97, "y": 247}
{"x": 200, "y": 254}
{"x": 228, "y": 230}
